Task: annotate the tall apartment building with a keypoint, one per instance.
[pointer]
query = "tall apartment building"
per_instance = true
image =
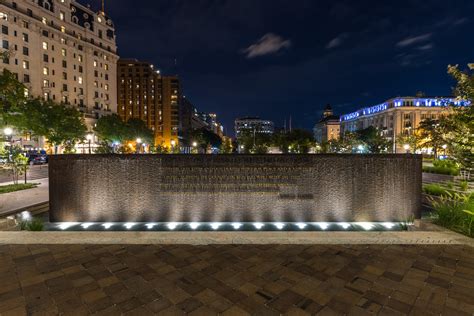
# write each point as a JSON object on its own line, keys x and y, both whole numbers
{"x": 63, "y": 51}
{"x": 399, "y": 116}
{"x": 144, "y": 94}
{"x": 328, "y": 128}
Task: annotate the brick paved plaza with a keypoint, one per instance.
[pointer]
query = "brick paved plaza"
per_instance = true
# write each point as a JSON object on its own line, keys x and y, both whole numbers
{"x": 236, "y": 280}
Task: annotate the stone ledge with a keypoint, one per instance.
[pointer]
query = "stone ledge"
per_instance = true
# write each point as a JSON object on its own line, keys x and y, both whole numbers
{"x": 206, "y": 238}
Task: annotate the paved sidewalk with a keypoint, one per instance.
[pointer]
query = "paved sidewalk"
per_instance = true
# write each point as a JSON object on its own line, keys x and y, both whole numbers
{"x": 236, "y": 280}
{"x": 34, "y": 172}
{"x": 25, "y": 198}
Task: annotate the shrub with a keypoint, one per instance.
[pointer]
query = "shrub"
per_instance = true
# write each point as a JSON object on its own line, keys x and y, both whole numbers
{"x": 456, "y": 212}
{"x": 441, "y": 170}
{"x": 435, "y": 189}
{"x": 34, "y": 225}
{"x": 464, "y": 185}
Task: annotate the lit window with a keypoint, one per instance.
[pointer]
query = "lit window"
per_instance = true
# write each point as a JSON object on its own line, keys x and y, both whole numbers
{"x": 26, "y": 64}
{"x": 79, "y": 58}
{"x": 43, "y": 19}
{"x": 46, "y": 83}
{"x": 62, "y": 16}
{"x": 79, "y": 80}
{"x": 3, "y": 16}
{"x": 63, "y": 29}
{"x": 45, "y": 45}
{"x": 106, "y": 87}
{"x": 63, "y": 52}
{"x": 45, "y": 71}
{"x": 95, "y": 63}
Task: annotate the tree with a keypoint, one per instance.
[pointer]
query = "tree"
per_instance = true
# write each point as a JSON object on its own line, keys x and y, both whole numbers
{"x": 414, "y": 140}
{"x": 58, "y": 123}
{"x": 459, "y": 125}
{"x": 12, "y": 100}
{"x": 204, "y": 138}
{"x": 136, "y": 128}
{"x": 226, "y": 147}
{"x": 373, "y": 140}
{"x": 111, "y": 128}
{"x": 16, "y": 162}
{"x": 432, "y": 134}
{"x": 295, "y": 141}
{"x": 254, "y": 142}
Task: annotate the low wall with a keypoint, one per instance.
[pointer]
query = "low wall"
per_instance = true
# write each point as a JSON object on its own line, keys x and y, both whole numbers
{"x": 234, "y": 188}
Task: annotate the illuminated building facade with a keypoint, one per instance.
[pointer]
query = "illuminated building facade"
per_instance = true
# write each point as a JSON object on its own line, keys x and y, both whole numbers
{"x": 399, "y": 116}
{"x": 328, "y": 128}
{"x": 143, "y": 93}
{"x": 62, "y": 51}
{"x": 253, "y": 125}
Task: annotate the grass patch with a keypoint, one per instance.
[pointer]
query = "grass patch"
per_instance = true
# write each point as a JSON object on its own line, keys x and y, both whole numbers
{"x": 455, "y": 212}
{"x": 435, "y": 189}
{"x": 17, "y": 187}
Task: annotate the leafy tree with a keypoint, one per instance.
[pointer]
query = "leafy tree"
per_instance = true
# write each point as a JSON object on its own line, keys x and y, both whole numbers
{"x": 226, "y": 147}
{"x": 204, "y": 138}
{"x": 432, "y": 133}
{"x": 16, "y": 162}
{"x": 295, "y": 141}
{"x": 373, "y": 140}
{"x": 136, "y": 128}
{"x": 111, "y": 128}
{"x": 459, "y": 126}
{"x": 12, "y": 100}
{"x": 414, "y": 140}
{"x": 58, "y": 123}
{"x": 254, "y": 142}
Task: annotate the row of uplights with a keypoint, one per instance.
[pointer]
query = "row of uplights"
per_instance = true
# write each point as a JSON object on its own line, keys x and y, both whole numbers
{"x": 236, "y": 226}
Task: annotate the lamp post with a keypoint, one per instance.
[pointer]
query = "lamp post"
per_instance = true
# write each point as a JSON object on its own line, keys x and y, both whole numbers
{"x": 139, "y": 142}
{"x": 195, "y": 147}
{"x": 173, "y": 144}
{"x": 9, "y": 132}
{"x": 407, "y": 148}
{"x": 89, "y": 138}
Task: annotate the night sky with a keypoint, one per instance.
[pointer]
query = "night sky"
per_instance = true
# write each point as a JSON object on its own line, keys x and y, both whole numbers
{"x": 276, "y": 58}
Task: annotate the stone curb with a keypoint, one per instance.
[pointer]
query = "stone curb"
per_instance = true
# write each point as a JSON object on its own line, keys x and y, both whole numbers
{"x": 222, "y": 238}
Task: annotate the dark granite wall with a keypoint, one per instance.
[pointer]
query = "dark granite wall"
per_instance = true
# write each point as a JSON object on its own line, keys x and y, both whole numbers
{"x": 234, "y": 188}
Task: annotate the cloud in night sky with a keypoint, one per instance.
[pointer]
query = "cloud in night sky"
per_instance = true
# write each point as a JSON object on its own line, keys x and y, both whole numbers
{"x": 269, "y": 44}
{"x": 414, "y": 40}
{"x": 335, "y": 42}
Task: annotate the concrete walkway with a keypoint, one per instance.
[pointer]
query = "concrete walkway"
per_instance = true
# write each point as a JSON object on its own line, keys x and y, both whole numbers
{"x": 24, "y": 198}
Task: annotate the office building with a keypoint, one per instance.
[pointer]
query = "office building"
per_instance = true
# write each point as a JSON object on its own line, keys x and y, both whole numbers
{"x": 143, "y": 93}
{"x": 253, "y": 125}
{"x": 398, "y": 116}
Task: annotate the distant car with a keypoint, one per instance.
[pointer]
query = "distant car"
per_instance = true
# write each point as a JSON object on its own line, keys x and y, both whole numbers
{"x": 39, "y": 160}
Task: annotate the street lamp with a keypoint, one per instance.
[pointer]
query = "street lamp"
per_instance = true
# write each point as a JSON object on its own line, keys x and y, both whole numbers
{"x": 139, "y": 141}
{"x": 360, "y": 148}
{"x": 173, "y": 144}
{"x": 445, "y": 147}
{"x": 89, "y": 138}
{"x": 9, "y": 132}
{"x": 407, "y": 148}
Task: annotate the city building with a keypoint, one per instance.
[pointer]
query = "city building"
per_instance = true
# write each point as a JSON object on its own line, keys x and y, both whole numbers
{"x": 191, "y": 119}
{"x": 328, "y": 128}
{"x": 398, "y": 116}
{"x": 253, "y": 125}
{"x": 143, "y": 93}
{"x": 62, "y": 51}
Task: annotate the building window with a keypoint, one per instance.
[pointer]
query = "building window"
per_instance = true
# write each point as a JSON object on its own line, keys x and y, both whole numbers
{"x": 26, "y": 51}
{"x": 26, "y": 64}
{"x": 45, "y": 58}
{"x": 26, "y": 25}
{"x": 25, "y": 37}
{"x": 45, "y": 71}
{"x": 45, "y": 46}
{"x": 5, "y": 44}
{"x": 63, "y": 52}
{"x": 4, "y": 29}
{"x": 45, "y": 83}
{"x": 79, "y": 80}
{"x": 64, "y": 64}
{"x": 26, "y": 78}
{"x": 64, "y": 76}
{"x": 62, "y": 15}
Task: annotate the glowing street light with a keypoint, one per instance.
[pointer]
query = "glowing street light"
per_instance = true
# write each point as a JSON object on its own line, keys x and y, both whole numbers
{"x": 139, "y": 141}
{"x": 195, "y": 144}
{"x": 8, "y": 131}
{"x": 407, "y": 148}
{"x": 445, "y": 147}
{"x": 89, "y": 138}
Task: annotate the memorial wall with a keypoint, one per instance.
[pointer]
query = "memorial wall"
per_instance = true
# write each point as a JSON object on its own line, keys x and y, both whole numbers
{"x": 234, "y": 188}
